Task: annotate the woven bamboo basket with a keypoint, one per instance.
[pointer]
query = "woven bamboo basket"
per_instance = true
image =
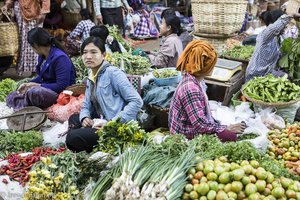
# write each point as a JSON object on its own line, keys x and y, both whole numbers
{"x": 218, "y": 16}
{"x": 70, "y": 18}
{"x": 9, "y": 41}
{"x": 77, "y": 89}
{"x": 218, "y": 43}
{"x": 268, "y": 104}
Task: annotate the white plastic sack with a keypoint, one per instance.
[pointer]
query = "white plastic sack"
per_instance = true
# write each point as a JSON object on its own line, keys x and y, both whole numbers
{"x": 258, "y": 127}
{"x": 243, "y": 112}
{"x": 12, "y": 190}
{"x": 271, "y": 120}
{"x": 52, "y": 136}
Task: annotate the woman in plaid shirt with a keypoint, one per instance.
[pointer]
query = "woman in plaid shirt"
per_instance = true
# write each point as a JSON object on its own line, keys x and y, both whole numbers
{"x": 189, "y": 110}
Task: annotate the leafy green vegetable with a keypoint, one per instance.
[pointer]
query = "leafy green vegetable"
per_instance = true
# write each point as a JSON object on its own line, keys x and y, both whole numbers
{"x": 116, "y": 135}
{"x": 19, "y": 141}
{"x": 247, "y": 136}
{"x": 81, "y": 69}
{"x": 240, "y": 52}
{"x": 165, "y": 73}
{"x": 132, "y": 64}
{"x": 115, "y": 32}
{"x": 6, "y": 86}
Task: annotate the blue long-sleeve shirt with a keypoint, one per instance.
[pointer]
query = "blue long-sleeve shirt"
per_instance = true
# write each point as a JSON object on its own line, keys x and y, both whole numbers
{"x": 267, "y": 50}
{"x": 56, "y": 72}
{"x": 114, "y": 94}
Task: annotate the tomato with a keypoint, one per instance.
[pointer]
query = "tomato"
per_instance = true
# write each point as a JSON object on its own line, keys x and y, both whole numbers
{"x": 252, "y": 179}
{"x": 213, "y": 185}
{"x": 261, "y": 185}
{"x": 221, "y": 186}
{"x": 221, "y": 195}
{"x": 202, "y": 189}
{"x": 244, "y": 162}
{"x": 248, "y": 169}
{"x": 227, "y": 187}
{"x": 188, "y": 188}
{"x": 219, "y": 170}
{"x": 198, "y": 175}
{"x": 192, "y": 171}
{"x": 199, "y": 166}
{"x": 211, "y": 195}
{"x": 254, "y": 196}
{"x": 238, "y": 174}
{"x": 261, "y": 173}
{"x": 186, "y": 196}
{"x": 246, "y": 180}
{"x": 250, "y": 189}
{"x": 241, "y": 195}
{"x": 278, "y": 192}
{"x": 195, "y": 181}
{"x": 254, "y": 163}
{"x": 211, "y": 176}
{"x": 194, "y": 195}
{"x": 285, "y": 182}
{"x": 236, "y": 186}
{"x": 270, "y": 177}
{"x": 203, "y": 180}
{"x": 208, "y": 168}
{"x": 234, "y": 166}
{"x": 232, "y": 195}
{"x": 224, "y": 177}
{"x": 267, "y": 192}
{"x": 290, "y": 194}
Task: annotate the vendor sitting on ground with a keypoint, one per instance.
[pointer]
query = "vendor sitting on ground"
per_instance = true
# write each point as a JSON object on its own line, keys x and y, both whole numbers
{"x": 189, "y": 110}
{"x": 171, "y": 47}
{"x": 109, "y": 94}
{"x": 81, "y": 31}
{"x": 267, "y": 49}
{"x": 111, "y": 45}
{"x": 55, "y": 72}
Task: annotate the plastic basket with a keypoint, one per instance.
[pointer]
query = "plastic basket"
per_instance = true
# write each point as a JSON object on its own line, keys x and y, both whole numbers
{"x": 135, "y": 80}
{"x": 235, "y": 100}
{"x": 167, "y": 81}
{"x": 218, "y": 16}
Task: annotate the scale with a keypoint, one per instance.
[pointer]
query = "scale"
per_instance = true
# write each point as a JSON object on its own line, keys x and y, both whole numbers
{"x": 225, "y": 69}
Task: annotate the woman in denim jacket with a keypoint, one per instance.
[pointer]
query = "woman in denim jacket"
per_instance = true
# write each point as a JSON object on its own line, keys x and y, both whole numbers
{"x": 109, "y": 94}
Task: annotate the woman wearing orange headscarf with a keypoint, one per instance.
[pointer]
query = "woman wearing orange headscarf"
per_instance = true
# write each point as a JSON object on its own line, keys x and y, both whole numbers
{"x": 189, "y": 111}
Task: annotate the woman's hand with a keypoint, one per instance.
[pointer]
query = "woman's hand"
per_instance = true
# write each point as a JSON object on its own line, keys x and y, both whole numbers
{"x": 25, "y": 86}
{"x": 237, "y": 128}
{"x": 87, "y": 122}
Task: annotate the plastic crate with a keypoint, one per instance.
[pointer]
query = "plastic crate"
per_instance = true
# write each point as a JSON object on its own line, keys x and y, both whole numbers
{"x": 136, "y": 82}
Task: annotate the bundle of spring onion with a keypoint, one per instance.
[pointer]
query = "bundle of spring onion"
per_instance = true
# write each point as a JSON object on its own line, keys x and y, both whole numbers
{"x": 145, "y": 173}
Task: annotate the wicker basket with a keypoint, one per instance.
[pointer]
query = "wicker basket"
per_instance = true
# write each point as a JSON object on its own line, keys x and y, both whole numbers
{"x": 268, "y": 104}
{"x": 70, "y": 18}
{"x": 218, "y": 43}
{"x": 77, "y": 89}
{"x": 9, "y": 41}
{"x": 218, "y": 16}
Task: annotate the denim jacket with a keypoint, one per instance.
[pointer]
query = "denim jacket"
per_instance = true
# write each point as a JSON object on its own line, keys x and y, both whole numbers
{"x": 115, "y": 95}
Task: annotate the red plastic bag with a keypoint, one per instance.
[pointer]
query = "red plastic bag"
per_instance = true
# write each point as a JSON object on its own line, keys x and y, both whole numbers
{"x": 63, "y": 98}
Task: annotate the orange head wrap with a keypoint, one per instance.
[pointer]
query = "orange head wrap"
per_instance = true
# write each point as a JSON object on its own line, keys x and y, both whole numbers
{"x": 198, "y": 58}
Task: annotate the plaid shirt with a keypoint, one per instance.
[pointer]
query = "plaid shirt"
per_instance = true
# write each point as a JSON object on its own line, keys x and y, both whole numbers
{"x": 189, "y": 110}
{"x": 82, "y": 30}
{"x": 142, "y": 28}
{"x": 98, "y": 4}
{"x": 267, "y": 50}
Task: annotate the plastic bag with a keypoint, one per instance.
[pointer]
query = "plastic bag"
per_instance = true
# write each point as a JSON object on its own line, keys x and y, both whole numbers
{"x": 243, "y": 112}
{"x": 255, "y": 125}
{"x": 289, "y": 112}
{"x": 52, "y": 136}
{"x": 271, "y": 120}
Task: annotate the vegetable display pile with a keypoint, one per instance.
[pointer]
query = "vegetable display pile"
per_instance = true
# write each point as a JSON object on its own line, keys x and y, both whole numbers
{"x": 240, "y": 52}
{"x": 290, "y": 61}
{"x": 285, "y": 147}
{"x": 53, "y": 178}
{"x": 222, "y": 179}
{"x": 247, "y": 136}
{"x": 81, "y": 70}
{"x": 272, "y": 89}
{"x": 6, "y": 86}
{"x": 132, "y": 64}
{"x": 115, "y": 32}
{"x": 16, "y": 142}
{"x": 165, "y": 73}
{"x": 18, "y": 166}
{"x": 116, "y": 135}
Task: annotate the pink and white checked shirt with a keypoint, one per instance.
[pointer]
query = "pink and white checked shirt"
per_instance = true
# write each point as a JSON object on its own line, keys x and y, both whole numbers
{"x": 189, "y": 110}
